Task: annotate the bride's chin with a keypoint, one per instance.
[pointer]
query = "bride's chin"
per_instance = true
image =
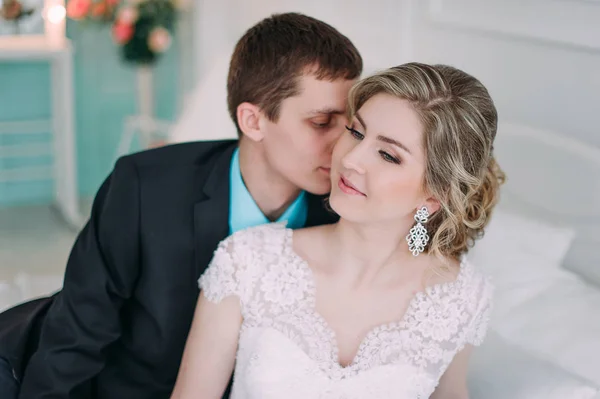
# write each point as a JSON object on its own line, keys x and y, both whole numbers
{"x": 344, "y": 209}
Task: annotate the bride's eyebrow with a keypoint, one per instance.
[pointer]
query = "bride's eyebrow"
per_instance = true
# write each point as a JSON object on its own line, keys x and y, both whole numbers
{"x": 383, "y": 138}
{"x": 391, "y": 141}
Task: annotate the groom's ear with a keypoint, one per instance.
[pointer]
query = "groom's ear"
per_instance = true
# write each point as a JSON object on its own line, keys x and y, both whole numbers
{"x": 248, "y": 116}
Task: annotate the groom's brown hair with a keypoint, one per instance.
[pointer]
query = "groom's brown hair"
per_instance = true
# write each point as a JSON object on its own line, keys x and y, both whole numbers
{"x": 272, "y": 55}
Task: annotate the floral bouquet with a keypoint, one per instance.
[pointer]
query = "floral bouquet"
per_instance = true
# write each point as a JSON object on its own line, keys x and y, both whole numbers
{"x": 97, "y": 11}
{"x": 142, "y": 28}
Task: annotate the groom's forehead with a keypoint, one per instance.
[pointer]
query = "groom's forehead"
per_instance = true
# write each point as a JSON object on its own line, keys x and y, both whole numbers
{"x": 323, "y": 96}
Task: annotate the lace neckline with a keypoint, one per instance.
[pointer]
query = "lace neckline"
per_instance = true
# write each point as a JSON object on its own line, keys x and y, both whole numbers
{"x": 335, "y": 368}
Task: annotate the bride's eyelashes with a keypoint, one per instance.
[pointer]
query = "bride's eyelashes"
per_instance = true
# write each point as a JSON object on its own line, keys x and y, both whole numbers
{"x": 355, "y": 133}
{"x": 389, "y": 158}
{"x": 384, "y": 155}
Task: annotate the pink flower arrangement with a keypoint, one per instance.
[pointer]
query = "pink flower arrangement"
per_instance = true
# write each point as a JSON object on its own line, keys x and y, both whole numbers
{"x": 159, "y": 40}
{"x": 99, "y": 10}
{"x": 142, "y": 28}
{"x": 122, "y": 33}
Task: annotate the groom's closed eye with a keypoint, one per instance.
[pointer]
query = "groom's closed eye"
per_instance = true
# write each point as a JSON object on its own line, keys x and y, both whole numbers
{"x": 321, "y": 123}
{"x": 325, "y": 117}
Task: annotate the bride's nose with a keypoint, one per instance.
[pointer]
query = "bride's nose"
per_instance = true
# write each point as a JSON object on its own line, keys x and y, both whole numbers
{"x": 354, "y": 159}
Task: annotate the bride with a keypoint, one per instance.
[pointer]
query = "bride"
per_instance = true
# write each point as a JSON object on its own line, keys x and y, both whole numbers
{"x": 384, "y": 303}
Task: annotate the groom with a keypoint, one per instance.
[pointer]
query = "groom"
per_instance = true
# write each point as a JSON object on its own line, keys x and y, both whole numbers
{"x": 118, "y": 327}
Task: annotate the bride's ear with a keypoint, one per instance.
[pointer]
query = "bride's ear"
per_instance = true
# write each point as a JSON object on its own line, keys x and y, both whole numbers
{"x": 433, "y": 205}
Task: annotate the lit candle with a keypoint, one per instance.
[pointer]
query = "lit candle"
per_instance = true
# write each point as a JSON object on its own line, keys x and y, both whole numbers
{"x": 55, "y": 14}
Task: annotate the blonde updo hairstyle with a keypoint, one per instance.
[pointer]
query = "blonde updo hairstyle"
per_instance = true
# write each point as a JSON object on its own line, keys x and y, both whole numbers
{"x": 459, "y": 120}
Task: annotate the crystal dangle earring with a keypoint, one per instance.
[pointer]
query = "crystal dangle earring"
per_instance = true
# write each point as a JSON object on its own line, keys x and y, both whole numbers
{"x": 418, "y": 238}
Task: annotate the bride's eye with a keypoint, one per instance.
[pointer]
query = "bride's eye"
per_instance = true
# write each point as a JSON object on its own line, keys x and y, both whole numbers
{"x": 389, "y": 158}
{"x": 355, "y": 133}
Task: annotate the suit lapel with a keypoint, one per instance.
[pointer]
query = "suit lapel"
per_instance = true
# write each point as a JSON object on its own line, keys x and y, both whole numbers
{"x": 211, "y": 211}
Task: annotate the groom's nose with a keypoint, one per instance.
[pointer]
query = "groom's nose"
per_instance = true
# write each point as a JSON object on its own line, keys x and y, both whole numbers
{"x": 334, "y": 136}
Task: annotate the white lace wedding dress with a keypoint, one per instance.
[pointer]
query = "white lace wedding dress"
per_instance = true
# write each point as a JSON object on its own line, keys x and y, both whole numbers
{"x": 287, "y": 350}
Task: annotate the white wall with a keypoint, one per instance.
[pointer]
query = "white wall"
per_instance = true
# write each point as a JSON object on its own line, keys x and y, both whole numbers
{"x": 375, "y": 27}
{"x": 540, "y": 59}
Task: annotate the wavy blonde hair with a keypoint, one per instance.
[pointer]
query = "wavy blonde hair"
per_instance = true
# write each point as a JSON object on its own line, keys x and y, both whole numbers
{"x": 460, "y": 122}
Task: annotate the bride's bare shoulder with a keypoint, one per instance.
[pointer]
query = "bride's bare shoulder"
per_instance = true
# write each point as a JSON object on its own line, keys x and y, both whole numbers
{"x": 309, "y": 242}
{"x": 443, "y": 271}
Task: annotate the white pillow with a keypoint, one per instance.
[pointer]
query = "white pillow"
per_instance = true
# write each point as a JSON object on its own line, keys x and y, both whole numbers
{"x": 584, "y": 257}
{"x": 499, "y": 370}
{"x": 523, "y": 256}
{"x": 515, "y": 233}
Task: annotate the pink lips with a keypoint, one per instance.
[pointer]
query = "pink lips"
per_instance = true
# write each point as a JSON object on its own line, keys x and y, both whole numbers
{"x": 348, "y": 188}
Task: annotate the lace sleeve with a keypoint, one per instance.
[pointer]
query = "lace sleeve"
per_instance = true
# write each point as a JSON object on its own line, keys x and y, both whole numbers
{"x": 220, "y": 280}
{"x": 481, "y": 318}
{"x": 238, "y": 263}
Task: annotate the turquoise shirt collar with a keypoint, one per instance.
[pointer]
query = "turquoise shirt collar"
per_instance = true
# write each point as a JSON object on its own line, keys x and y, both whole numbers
{"x": 243, "y": 211}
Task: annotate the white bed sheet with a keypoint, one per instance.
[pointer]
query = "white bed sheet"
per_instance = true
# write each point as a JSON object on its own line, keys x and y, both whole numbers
{"x": 561, "y": 325}
{"x": 538, "y": 305}
{"x": 499, "y": 370}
